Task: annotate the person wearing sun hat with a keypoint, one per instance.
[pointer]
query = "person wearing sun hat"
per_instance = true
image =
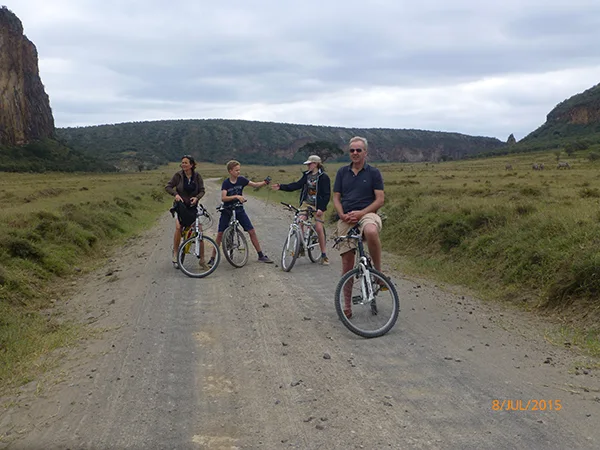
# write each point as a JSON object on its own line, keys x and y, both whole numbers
{"x": 315, "y": 193}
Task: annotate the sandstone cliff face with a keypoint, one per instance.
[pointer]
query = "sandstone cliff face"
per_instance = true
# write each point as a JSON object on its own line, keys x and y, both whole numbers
{"x": 25, "y": 112}
{"x": 581, "y": 109}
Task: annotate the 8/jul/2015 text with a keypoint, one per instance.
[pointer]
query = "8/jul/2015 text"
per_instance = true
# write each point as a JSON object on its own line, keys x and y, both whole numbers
{"x": 526, "y": 405}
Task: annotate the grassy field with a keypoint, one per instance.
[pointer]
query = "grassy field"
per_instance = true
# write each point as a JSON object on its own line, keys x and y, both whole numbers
{"x": 531, "y": 238}
{"x": 53, "y": 229}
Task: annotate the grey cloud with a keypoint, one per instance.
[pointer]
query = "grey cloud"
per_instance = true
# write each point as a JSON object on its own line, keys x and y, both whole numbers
{"x": 295, "y": 60}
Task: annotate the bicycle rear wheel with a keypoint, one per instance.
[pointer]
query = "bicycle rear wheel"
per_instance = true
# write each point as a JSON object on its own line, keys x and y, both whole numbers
{"x": 314, "y": 250}
{"x": 235, "y": 247}
{"x": 291, "y": 248}
{"x": 191, "y": 256}
{"x": 363, "y": 317}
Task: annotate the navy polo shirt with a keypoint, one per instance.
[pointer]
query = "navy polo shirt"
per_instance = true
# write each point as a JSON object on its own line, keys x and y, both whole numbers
{"x": 357, "y": 191}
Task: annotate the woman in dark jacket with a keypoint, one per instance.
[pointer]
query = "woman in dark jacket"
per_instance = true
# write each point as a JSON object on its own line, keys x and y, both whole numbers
{"x": 187, "y": 187}
{"x": 316, "y": 192}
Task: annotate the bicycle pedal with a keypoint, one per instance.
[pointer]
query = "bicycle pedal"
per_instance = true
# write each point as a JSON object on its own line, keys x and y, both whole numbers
{"x": 357, "y": 299}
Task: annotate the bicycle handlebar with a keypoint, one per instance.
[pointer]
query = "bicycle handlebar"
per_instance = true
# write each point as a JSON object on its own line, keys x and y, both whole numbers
{"x": 235, "y": 204}
{"x": 308, "y": 211}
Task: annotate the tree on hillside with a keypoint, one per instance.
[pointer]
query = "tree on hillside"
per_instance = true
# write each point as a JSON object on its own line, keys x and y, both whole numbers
{"x": 324, "y": 149}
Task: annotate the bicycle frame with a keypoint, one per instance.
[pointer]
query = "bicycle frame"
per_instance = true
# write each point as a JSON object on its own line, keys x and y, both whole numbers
{"x": 296, "y": 225}
{"x": 195, "y": 230}
{"x": 371, "y": 308}
{"x": 362, "y": 262}
{"x": 233, "y": 222}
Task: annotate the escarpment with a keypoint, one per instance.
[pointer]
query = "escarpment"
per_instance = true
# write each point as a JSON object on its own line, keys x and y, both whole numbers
{"x": 25, "y": 113}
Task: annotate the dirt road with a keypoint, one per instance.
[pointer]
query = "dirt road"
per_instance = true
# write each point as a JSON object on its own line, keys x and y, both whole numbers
{"x": 256, "y": 358}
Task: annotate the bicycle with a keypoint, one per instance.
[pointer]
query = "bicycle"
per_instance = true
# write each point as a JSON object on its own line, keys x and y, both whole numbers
{"x": 235, "y": 245}
{"x": 366, "y": 300}
{"x": 190, "y": 256}
{"x": 297, "y": 242}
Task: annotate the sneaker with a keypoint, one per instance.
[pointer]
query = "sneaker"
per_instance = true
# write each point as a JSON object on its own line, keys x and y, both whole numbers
{"x": 324, "y": 260}
{"x": 203, "y": 264}
{"x": 211, "y": 262}
{"x": 265, "y": 259}
{"x": 382, "y": 287}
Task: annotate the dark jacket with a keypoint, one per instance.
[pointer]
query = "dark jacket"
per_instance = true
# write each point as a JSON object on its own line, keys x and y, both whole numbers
{"x": 323, "y": 188}
{"x": 176, "y": 186}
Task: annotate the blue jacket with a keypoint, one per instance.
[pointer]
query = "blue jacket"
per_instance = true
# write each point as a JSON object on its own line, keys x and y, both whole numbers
{"x": 323, "y": 188}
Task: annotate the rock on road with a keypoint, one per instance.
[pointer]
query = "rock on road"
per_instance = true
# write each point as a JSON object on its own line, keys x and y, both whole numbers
{"x": 257, "y": 358}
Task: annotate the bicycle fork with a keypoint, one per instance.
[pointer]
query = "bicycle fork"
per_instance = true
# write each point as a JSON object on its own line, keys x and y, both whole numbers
{"x": 366, "y": 287}
{"x": 293, "y": 229}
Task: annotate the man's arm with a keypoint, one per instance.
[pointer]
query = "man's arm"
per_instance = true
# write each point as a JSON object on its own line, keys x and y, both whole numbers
{"x": 378, "y": 203}
{"x": 355, "y": 216}
{"x": 337, "y": 203}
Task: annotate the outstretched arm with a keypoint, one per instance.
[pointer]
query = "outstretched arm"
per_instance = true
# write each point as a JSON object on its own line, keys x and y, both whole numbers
{"x": 254, "y": 184}
{"x": 293, "y": 186}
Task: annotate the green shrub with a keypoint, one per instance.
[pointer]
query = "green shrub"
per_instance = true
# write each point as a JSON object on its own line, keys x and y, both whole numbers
{"x": 589, "y": 193}
{"x": 578, "y": 278}
{"x": 22, "y": 248}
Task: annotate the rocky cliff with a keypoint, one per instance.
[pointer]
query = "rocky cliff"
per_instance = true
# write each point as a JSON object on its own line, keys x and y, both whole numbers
{"x": 575, "y": 118}
{"x": 25, "y": 113}
{"x": 581, "y": 109}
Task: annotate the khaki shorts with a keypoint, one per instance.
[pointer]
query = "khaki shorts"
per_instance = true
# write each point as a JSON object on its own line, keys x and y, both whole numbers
{"x": 343, "y": 228}
{"x": 305, "y": 205}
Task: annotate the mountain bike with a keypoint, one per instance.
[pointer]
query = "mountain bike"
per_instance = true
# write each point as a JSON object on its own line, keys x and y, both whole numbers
{"x": 299, "y": 242}
{"x": 366, "y": 300}
{"x": 190, "y": 256}
{"x": 235, "y": 245}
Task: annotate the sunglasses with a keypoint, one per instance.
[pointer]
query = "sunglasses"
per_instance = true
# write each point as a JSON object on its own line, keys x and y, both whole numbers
{"x": 357, "y": 150}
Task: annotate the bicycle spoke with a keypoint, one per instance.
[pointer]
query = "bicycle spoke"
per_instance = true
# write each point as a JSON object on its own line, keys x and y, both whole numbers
{"x": 235, "y": 247}
{"x": 367, "y": 315}
{"x": 290, "y": 251}
{"x": 194, "y": 254}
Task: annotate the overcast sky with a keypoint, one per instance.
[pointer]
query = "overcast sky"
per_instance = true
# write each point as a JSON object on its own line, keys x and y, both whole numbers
{"x": 486, "y": 68}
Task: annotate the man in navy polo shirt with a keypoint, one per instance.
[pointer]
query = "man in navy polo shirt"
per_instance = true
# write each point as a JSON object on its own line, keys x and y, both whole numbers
{"x": 357, "y": 195}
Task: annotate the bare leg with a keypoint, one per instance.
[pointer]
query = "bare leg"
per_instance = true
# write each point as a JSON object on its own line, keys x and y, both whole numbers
{"x": 347, "y": 265}
{"x": 176, "y": 239}
{"x": 254, "y": 239}
{"x": 218, "y": 241}
{"x": 371, "y": 235}
{"x": 201, "y": 248}
{"x": 321, "y": 234}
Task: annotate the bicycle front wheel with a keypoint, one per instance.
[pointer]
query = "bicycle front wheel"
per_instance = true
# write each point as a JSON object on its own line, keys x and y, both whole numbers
{"x": 314, "y": 249}
{"x": 235, "y": 247}
{"x": 291, "y": 248}
{"x": 192, "y": 256}
{"x": 363, "y": 316}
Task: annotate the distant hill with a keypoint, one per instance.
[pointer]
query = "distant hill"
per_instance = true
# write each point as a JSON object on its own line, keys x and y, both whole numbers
{"x": 49, "y": 155}
{"x": 576, "y": 119}
{"x": 129, "y": 145}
